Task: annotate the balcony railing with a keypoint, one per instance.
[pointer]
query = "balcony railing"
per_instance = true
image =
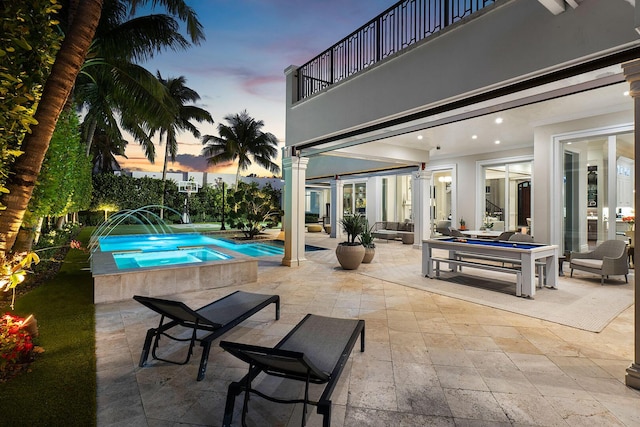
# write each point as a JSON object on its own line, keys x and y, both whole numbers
{"x": 402, "y": 25}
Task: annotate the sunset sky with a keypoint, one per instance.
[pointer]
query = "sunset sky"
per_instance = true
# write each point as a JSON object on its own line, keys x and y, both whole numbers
{"x": 249, "y": 43}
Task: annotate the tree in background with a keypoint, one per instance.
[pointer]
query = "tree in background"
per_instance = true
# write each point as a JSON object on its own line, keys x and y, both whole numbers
{"x": 118, "y": 192}
{"x": 251, "y": 209}
{"x": 28, "y": 45}
{"x": 242, "y": 140}
{"x": 23, "y": 172}
{"x": 206, "y": 204}
{"x": 178, "y": 117}
{"x": 64, "y": 185}
{"x": 116, "y": 93}
{"x": 104, "y": 150}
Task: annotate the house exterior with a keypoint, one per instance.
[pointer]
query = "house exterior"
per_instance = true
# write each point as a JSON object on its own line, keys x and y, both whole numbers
{"x": 210, "y": 179}
{"x": 518, "y": 113}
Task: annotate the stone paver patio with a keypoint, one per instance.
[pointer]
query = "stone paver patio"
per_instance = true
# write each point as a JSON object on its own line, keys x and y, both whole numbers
{"x": 429, "y": 359}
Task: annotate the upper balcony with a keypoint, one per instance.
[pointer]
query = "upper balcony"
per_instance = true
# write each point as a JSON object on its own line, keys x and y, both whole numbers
{"x": 394, "y": 30}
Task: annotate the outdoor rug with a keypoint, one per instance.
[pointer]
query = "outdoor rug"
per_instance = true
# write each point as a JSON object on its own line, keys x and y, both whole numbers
{"x": 580, "y": 302}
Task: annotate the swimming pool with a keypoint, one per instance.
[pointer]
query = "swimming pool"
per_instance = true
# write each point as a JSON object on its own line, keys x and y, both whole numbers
{"x": 174, "y": 242}
{"x": 126, "y": 260}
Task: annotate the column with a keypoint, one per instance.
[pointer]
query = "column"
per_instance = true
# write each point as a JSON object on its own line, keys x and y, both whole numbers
{"x": 294, "y": 169}
{"x": 336, "y": 206}
{"x": 631, "y": 71}
{"x": 374, "y": 200}
{"x": 421, "y": 206}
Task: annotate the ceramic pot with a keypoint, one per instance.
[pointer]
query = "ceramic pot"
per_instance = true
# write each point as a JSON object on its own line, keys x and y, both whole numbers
{"x": 350, "y": 257}
{"x": 368, "y": 255}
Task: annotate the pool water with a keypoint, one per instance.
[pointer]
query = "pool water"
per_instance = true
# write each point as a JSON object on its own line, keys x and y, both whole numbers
{"x": 127, "y": 260}
{"x": 174, "y": 242}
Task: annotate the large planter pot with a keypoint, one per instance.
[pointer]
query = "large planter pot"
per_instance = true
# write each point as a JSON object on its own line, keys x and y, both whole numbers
{"x": 368, "y": 255}
{"x": 350, "y": 257}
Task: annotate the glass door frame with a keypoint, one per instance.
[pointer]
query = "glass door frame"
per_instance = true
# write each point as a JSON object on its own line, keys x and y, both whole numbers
{"x": 557, "y": 203}
{"x": 480, "y": 187}
{"x": 453, "y": 169}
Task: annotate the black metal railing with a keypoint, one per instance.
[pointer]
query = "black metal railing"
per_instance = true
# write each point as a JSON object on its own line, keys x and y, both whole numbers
{"x": 491, "y": 209}
{"x": 402, "y": 25}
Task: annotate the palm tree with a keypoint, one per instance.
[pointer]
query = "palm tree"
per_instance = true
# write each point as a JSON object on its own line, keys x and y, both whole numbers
{"x": 25, "y": 169}
{"x": 242, "y": 140}
{"x": 178, "y": 119}
{"x": 103, "y": 152}
{"x": 80, "y": 32}
{"x": 110, "y": 83}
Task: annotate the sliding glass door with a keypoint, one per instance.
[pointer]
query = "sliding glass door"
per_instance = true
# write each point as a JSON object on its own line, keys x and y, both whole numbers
{"x": 507, "y": 196}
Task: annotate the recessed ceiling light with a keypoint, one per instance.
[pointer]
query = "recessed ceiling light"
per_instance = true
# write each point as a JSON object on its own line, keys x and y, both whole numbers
{"x": 419, "y": 136}
{"x": 497, "y": 141}
{"x": 474, "y": 136}
{"x": 625, "y": 93}
{"x": 569, "y": 143}
{"x": 499, "y": 120}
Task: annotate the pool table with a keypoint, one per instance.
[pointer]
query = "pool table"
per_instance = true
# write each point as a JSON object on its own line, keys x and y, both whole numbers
{"x": 526, "y": 254}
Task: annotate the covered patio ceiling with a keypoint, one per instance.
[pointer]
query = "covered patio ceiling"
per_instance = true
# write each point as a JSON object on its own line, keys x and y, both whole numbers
{"x": 498, "y": 124}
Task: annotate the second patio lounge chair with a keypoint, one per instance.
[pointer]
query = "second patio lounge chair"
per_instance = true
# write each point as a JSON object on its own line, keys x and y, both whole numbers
{"x": 216, "y": 318}
{"x": 315, "y": 351}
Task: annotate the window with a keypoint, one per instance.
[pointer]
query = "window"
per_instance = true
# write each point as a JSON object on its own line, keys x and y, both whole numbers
{"x": 507, "y": 197}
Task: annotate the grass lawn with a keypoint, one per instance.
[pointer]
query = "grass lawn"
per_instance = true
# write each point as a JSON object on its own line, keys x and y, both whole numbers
{"x": 61, "y": 387}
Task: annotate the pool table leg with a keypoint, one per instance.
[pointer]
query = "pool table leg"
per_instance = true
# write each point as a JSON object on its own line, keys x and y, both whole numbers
{"x": 528, "y": 276}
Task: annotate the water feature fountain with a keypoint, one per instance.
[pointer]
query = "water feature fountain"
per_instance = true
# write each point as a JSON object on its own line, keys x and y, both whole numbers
{"x": 158, "y": 261}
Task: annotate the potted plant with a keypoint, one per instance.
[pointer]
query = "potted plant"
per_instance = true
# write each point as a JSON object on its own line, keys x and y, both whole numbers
{"x": 463, "y": 224}
{"x": 366, "y": 238}
{"x": 351, "y": 252}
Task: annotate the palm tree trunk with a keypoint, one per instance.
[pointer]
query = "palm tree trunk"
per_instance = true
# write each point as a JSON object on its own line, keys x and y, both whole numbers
{"x": 164, "y": 174}
{"x": 237, "y": 177}
{"x": 25, "y": 170}
{"x": 91, "y": 131}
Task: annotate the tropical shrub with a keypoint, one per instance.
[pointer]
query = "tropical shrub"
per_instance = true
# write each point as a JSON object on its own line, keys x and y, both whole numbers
{"x": 352, "y": 226}
{"x": 251, "y": 209}
{"x": 366, "y": 237}
{"x": 29, "y": 41}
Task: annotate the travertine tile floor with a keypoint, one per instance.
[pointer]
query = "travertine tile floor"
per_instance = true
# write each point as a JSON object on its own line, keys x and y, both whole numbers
{"x": 429, "y": 359}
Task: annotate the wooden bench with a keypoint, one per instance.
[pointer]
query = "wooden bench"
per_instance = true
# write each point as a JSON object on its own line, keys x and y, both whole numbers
{"x": 478, "y": 265}
{"x": 315, "y": 351}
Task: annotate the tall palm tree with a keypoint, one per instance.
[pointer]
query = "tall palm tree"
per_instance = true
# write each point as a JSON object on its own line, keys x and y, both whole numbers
{"x": 110, "y": 83}
{"x": 72, "y": 54}
{"x": 25, "y": 169}
{"x": 242, "y": 140}
{"x": 178, "y": 118}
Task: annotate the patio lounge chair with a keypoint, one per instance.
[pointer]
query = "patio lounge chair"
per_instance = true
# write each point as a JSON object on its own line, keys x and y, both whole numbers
{"x": 608, "y": 258}
{"x": 216, "y": 318}
{"x": 315, "y": 351}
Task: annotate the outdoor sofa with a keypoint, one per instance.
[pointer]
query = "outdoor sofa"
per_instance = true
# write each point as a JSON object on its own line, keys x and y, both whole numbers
{"x": 390, "y": 230}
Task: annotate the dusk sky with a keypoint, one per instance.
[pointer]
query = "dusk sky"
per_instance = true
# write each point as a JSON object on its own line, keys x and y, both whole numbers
{"x": 249, "y": 43}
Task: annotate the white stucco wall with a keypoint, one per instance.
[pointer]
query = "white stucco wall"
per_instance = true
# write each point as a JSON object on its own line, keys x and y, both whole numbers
{"x": 519, "y": 38}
